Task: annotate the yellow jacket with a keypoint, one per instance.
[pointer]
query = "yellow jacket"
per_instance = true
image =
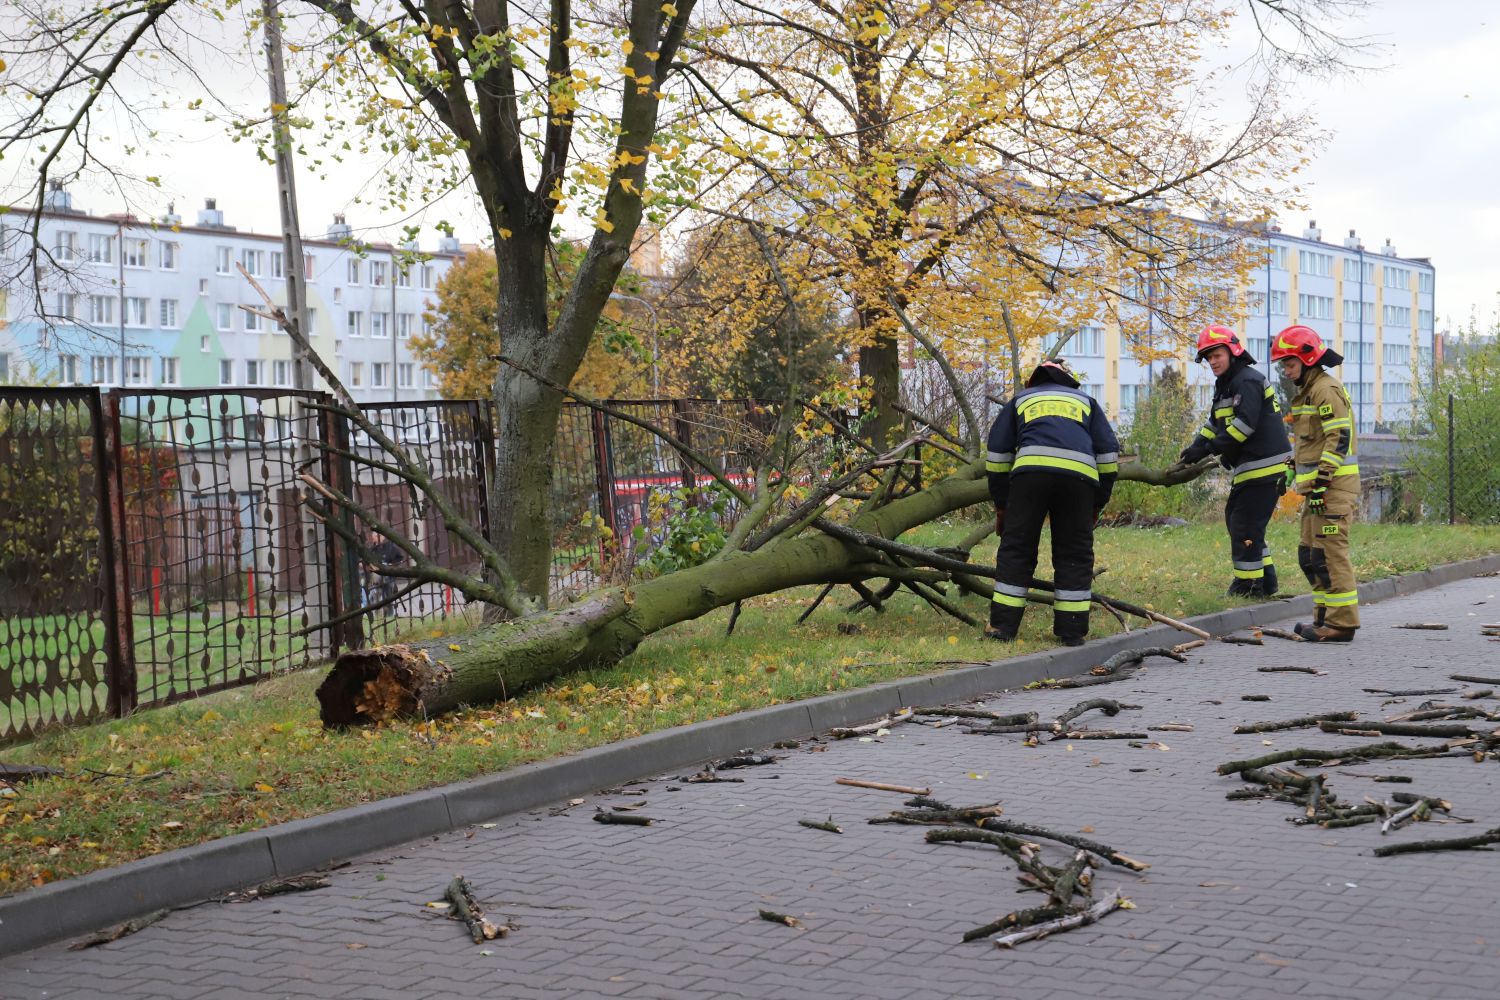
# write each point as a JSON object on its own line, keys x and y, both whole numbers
{"x": 1323, "y": 434}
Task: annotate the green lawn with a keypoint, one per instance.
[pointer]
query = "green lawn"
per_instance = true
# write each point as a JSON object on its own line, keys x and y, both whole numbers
{"x": 246, "y": 758}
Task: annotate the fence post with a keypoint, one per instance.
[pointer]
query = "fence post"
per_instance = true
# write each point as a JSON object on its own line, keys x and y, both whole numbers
{"x": 604, "y": 478}
{"x": 1452, "y": 519}
{"x": 118, "y": 625}
{"x": 683, "y": 430}
{"x": 484, "y": 453}
{"x": 343, "y": 569}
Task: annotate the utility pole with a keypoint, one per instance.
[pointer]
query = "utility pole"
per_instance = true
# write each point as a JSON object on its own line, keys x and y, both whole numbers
{"x": 120, "y": 263}
{"x": 317, "y": 599}
{"x": 391, "y": 327}
{"x": 286, "y": 183}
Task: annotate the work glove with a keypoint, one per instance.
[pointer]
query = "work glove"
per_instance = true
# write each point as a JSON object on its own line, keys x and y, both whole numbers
{"x": 999, "y": 522}
{"x": 1195, "y": 452}
{"x": 1317, "y": 496}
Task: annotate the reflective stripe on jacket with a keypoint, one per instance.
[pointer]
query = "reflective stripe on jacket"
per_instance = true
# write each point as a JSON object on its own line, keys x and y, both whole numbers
{"x": 1056, "y": 428}
{"x": 1244, "y": 426}
{"x": 1323, "y": 433}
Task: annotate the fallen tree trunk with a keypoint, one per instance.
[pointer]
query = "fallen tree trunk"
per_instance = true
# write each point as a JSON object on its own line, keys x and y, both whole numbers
{"x": 496, "y": 661}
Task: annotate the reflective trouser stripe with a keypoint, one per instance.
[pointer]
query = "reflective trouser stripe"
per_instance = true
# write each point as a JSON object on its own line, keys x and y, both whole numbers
{"x": 1048, "y": 462}
{"x": 1070, "y": 605}
{"x": 1319, "y": 598}
{"x": 1348, "y": 469}
{"x": 1249, "y": 570}
{"x": 996, "y": 466}
{"x": 1010, "y": 594}
{"x": 1074, "y": 595}
{"x": 1345, "y": 599}
{"x": 1268, "y": 561}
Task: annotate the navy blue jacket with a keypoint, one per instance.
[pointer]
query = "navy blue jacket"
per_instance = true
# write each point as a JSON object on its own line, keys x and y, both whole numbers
{"x": 1057, "y": 429}
{"x": 1244, "y": 426}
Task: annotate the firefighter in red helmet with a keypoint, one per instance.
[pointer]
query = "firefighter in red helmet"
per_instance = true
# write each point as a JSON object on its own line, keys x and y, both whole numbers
{"x": 1244, "y": 429}
{"x": 1327, "y": 475}
{"x": 1052, "y": 457}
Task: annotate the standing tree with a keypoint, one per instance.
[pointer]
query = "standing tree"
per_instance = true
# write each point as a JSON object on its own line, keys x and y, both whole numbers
{"x": 529, "y": 104}
{"x": 964, "y": 155}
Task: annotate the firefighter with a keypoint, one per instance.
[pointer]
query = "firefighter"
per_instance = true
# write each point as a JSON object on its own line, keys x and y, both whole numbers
{"x": 1245, "y": 430}
{"x": 1327, "y": 474}
{"x": 1052, "y": 455}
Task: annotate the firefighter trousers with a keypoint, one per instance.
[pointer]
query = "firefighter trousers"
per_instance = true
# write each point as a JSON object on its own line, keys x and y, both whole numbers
{"x": 1324, "y": 557}
{"x": 1246, "y": 514}
{"x": 1068, "y": 502}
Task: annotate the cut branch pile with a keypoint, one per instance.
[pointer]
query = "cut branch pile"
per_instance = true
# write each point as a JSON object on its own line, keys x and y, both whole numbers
{"x": 1119, "y": 667}
{"x": 1321, "y": 807}
{"x": 1059, "y": 726}
{"x": 1068, "y": 888}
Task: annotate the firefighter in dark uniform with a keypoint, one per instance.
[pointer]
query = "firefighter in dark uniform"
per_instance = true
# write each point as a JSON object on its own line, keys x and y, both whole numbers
{"x": 1327, "y": 474}
{"x": 1052, "y": 456}
{"x": 1245, "y": 430}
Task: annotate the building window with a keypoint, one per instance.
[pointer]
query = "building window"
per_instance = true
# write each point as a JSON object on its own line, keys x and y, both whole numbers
{"x": 308, "y": 270}
{"x": 253, "y": 322}
{"x": 352, "y": 267}
{"x": 281, "y": 373}
{"x": 429, "y": 379}
{"x": 1398, "y": 316}
{"x": 378, "y": 325}
{"x": 1352, "y": 271}
{"x": 1424, "y": 282}
{"x": 224, "y": 316}
{"x": 1359, "y": 351}
{"x": 252, "y": 259}
{"x": 226, "y": 372}
{"x": 1314, "y": 263}
{"x": 222, "y": 258}
{"x": 1398, "y": 354}
{"x": 1354, "y": 314}
{"x": 101, "y": 309}
{"x": 356, "y": 323}
{"x": 67, "y": 306}
{"x": 1424, "y": 319}
{"x": 67, "y": 369}
{"x": 338, "y": 296}
{"x": 101, "y": 248}
{"x": 426, "y": 275}
{"x": 1396, "y": 392}
{"x": 403, "y": 326}
{"x": 404, "y": 375}
{"x": 252, "y": 372}
{"x": 378, "y": 374}
{"x": 1314, "y": 307}
{"x": 203, "y": 345}
{"x": 1278, "y": 303}
{"x": 1278, "y": 257}
{"x": 403, "y": 277}
{"x": 356, "y": 374}
{"x": 278, "y": 264}
{"x": 135, "y": 252}
{"x": 67, "y": 246}
{"x": 137, "y": 371}
{"x": 166, "y": 256}
{"x": 377, "y": 272}
{"x": 312, "y": 322}
{"x": 137, "y": 311}
{"x": 202, "y": 286}
{"x": 1255, "y": 303}
{"x": 102, "y": 369}
{"x": 169, "y": 314}
{"x": 171, "y": 371}
{"x": 1398, "y": 278}
{"x": 1257, "y": 348}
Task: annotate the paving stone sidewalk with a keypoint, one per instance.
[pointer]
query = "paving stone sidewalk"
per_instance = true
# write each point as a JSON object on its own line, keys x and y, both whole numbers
{"x": 1239, "y": 902}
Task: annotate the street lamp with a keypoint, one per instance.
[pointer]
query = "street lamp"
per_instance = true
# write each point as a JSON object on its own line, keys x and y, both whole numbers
{"x": 655, "y": 326}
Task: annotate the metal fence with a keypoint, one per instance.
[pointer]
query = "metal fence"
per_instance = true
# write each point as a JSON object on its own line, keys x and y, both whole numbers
{"x": 161, "y": 545}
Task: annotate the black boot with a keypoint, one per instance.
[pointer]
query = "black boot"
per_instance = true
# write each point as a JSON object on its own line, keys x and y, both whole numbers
{"x": 1304, "y": 629}
{"x": 1242, "y": 588}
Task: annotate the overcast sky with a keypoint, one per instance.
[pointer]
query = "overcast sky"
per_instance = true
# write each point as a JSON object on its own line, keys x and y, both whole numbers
{"x": 1414, "y": 155}
{"x": 1415, "y": 152}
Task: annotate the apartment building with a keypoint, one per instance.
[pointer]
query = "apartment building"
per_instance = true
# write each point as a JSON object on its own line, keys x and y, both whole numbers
{"x": 119, "y": 301}
{"x": 1374, "y": 306}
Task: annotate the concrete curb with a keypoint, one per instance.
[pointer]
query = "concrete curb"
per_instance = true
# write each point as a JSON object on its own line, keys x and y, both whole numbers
{"x": 85, "y": 904}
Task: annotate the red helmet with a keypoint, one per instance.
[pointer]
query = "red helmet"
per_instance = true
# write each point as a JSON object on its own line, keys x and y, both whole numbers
{"x": 1300, "y": 342}
{"x": 1219, "y": 336}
